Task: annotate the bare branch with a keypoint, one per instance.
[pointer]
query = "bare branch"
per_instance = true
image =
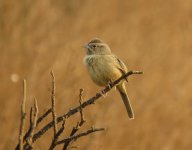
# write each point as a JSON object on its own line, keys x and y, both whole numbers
{"x": 79, "y": 124}
{"x": 61, "y": 129}
{"x": 90, "y": 101}
{"x": 41, "y": 118}
{"x": 53, "y": 104}
{"x": 44, "y": 116}
{"x": 23, "y": 115}
{"x": 33, "y": 123}
{"x": 74, "y": 130}
{"x": 73, "y": 111}
{"x": 53, "y": 144}
{"x": 80, "y": 103}
{"x": 75, "y": 137}
{"x": 36, "y": 113}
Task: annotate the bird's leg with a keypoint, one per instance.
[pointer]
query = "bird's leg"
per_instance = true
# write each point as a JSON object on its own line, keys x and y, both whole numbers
{"x": 110, "y": 84}
{"x": 126, "y": 79}
{"x": 103, "y": 93}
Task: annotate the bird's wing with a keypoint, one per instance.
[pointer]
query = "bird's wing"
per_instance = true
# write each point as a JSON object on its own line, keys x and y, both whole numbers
{"x": 121, "y": 66}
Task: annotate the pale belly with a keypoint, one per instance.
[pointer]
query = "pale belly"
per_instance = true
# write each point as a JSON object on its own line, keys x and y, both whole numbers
{"x": 101, "y": 69}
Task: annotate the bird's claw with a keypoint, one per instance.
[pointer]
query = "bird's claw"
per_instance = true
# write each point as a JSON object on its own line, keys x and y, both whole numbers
{"x": 103, "y": 93}
{"x": 110, "y": 84}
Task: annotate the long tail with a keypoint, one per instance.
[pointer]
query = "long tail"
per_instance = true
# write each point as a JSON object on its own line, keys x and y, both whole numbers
{"x": 125, "y": 98}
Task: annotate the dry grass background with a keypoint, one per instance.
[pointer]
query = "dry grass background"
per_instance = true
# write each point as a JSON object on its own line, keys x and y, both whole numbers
{"x": 149, "y": 35}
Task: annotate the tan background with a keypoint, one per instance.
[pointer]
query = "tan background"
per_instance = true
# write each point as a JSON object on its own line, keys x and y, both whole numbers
{"x": 149, "y": 35}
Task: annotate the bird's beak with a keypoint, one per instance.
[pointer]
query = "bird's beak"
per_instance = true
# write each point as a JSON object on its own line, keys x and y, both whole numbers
{"x": 86, "y": 46}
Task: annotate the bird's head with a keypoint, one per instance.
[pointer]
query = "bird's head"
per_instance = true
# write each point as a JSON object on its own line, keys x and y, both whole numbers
{"x": 97, "y": 47}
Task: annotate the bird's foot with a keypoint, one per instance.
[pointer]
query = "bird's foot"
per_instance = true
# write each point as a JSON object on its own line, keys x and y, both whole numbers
{"x": 110, "y": 84}
{"x": 103, "y": 93}
{"x": 126, "y": 79}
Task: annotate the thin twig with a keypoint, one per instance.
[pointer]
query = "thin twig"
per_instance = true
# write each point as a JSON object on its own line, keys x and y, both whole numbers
{"x": 74, "y": 130}
{"x": 28, "y": 140}
{"x": 53, "y": 144}
{"x": 33, "y": 124}
{"x": 36, "y": 113}
{"x": 80, "y": 103}
{"x": 53, "y": 104}
{"x": 79, "y": 124}
{"x": 61, "y": 129}
{"x": 23, "y": 115}
{"x": 91, "y": 130}
{"x": 41, "y": 118}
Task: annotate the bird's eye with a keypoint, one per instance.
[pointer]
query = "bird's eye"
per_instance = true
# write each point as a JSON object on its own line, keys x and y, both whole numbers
{"x": 94, "y": 46}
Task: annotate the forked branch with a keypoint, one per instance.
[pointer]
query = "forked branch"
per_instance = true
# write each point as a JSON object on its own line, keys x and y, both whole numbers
{"x": 26, "y": 141}
{"x": 88, "y": 102}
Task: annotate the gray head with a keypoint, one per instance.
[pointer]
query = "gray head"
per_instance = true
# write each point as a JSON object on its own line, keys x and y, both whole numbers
{"x": 98, "y": 47}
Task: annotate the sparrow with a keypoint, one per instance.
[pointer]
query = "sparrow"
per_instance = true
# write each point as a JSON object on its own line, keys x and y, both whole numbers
{"x": 104, "y": 67}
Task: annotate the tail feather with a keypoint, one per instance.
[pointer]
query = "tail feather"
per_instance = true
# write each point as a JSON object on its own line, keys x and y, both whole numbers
{"x": 125, "y": 98}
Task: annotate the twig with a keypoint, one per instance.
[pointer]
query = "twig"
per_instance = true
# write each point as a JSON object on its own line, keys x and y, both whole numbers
{"x": 33, "y": 124}
{"x": 41, "y": 118}
{"x": 79, "y": 124}
{"x": 53, "y": 144}
{"x": 23, "y": 115}
{"x": 74, "y": 130}
{"x": 60, "y": 130}
{"x": 80, "y": 103}
{"x": 53, "y": 104}
{"x": 44, "y": 116}
{"x": 91, "y": 130}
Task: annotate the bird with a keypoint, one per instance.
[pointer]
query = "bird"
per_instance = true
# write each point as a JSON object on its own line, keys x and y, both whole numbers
{"x": 104, "y": 67}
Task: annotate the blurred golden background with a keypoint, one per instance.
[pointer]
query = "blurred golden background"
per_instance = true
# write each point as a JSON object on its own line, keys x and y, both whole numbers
{"x": 153, "y": 36}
